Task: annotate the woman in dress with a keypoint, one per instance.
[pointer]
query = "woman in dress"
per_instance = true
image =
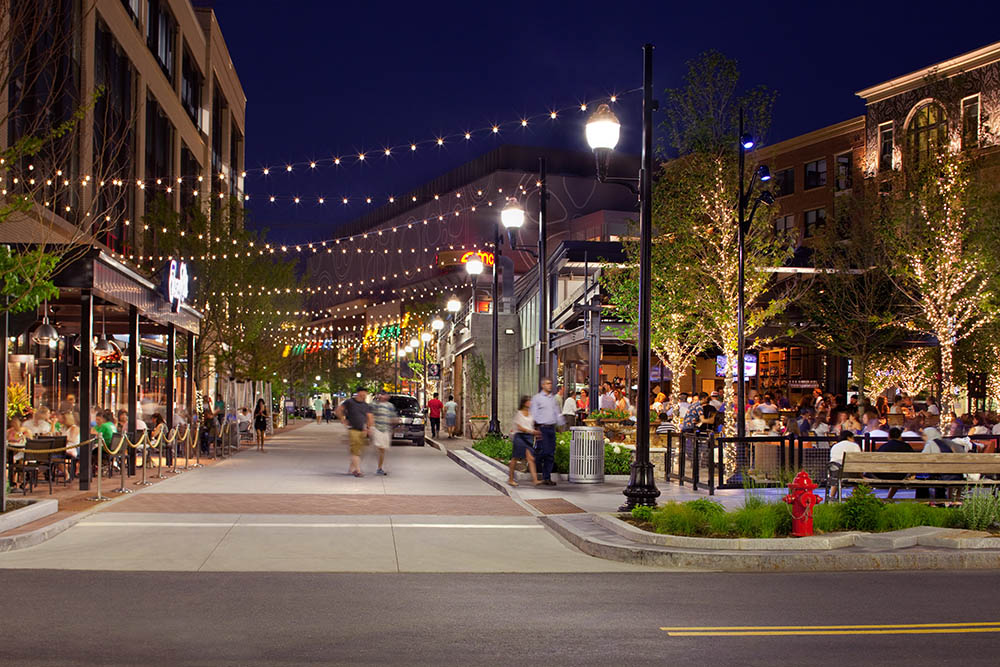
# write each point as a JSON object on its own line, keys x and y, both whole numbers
{"x": 523, "y": 436}
{"x": 260, "y": 422}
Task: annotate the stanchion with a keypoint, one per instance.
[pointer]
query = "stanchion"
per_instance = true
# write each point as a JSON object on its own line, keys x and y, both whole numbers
{"x": 159, "y": 457}
{"x": 172, "y": 441}
{"x": 197, "y": 450}
{"x": 123, "y": 446}
{"x": 187, "y": 446}
{"x": 145, "y": 459}
{"x": 99, "y": 498}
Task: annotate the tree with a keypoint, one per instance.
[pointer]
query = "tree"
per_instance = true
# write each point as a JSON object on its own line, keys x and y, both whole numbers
{"x": 938, "y": 229}
{"x": 694, "y": 205}
{"x": 48, "y": 119}
{"x": 854, "y": 309}
{"x": 676, "y": 335}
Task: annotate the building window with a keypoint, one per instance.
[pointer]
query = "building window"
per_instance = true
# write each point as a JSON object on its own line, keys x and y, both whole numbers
{"x": 784, "y": 224}
{"x": 161, "y": 31}
{"x": 927, "y": 134}
{"x": 970, "y": 122}
{"x": 784, "y": 182}
{"x": 814, "y": 220}
{"x": 845, "y": 168}
{"x": 191, "y": 82}
{"x": 815, "y": 174}
{"x": 885, "y": 141}
{"x": 132, "y": 7}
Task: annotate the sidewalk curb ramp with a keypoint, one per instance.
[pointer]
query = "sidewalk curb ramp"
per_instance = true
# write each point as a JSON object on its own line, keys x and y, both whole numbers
{"x": 924, "y": 548}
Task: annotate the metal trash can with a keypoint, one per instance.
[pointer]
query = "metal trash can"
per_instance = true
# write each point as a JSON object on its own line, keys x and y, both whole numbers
{"x": 586, "y": 455}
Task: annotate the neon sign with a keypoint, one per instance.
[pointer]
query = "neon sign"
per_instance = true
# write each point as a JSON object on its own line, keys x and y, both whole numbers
{"x": 486, "y": 257}
{"x": 175, "y": 284}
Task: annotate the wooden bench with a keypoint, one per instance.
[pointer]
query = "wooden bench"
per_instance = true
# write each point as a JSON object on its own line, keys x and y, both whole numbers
{"x": 857, "y": 464}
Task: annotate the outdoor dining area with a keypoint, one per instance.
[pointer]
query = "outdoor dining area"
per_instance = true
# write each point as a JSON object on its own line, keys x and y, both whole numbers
{"x": 99, "y": 376}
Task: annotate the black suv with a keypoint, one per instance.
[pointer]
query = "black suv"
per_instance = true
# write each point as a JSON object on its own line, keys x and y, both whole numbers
{"x": 411, "y": 419}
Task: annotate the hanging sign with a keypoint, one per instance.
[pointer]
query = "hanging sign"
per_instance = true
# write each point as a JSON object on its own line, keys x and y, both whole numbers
{"x": 175, "y": 284}
{"x": 433, "y": 371}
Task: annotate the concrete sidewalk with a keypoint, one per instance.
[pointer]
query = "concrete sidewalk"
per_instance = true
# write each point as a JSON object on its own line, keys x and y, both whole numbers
{"x": 294, "y": 508}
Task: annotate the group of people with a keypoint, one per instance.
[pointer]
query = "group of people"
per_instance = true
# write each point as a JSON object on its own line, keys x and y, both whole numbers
{"x": 435, "y": 408}
{"x": 367, "y": 423}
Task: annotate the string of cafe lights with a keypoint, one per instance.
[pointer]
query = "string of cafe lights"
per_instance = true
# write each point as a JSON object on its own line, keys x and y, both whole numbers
{"x": 169, "y": 183}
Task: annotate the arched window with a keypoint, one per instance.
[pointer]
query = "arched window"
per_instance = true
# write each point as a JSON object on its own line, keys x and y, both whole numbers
{"x": 927, "y": 134}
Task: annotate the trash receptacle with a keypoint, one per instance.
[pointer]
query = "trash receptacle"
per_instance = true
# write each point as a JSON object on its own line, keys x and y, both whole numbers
{"x": 586, "y": 455}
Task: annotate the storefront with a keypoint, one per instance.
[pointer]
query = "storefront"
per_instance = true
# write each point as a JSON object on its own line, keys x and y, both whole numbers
{"x": 137, "y": 360}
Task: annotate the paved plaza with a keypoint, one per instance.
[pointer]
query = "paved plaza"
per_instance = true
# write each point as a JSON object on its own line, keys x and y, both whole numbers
{"x": 294, "y": 508}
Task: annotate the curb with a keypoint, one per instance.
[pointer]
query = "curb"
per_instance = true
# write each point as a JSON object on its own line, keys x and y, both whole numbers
{"x": 593, "y": 538}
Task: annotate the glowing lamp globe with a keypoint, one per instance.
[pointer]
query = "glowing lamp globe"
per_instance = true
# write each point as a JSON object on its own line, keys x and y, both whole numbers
{"x": 414, "y": 343}
{"x": 401, "y": 353}
{"x": 454, "y": 305}
{"x": 474, "y": 265}
{"x": 603, "y": 128}
{"x": 437, "y": 324}
{"x": 512, "y": 215}
{"x": 426, "y": 336}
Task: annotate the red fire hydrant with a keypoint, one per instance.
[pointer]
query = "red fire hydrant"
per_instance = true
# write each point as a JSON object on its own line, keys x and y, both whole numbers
{"x": 801, "y": 498}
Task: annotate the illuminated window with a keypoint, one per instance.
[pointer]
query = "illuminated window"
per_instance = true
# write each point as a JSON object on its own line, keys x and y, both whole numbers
{"x": 885, "y": 139}
{"x": 815, "y": 174}
{"x": 814, "y": 220}
{"x": 927, "y": 134}
{"x": 845, "y": 166}
{"x": 970, "y": 122}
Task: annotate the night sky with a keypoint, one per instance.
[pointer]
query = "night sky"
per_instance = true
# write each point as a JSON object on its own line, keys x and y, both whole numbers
{"x": 327, "y": 78}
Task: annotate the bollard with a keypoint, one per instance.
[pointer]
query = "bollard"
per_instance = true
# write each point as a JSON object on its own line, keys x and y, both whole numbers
{"x": 187, "y": 447}
{"x": 173, "y": 443}
{"x": 99, "y": 498}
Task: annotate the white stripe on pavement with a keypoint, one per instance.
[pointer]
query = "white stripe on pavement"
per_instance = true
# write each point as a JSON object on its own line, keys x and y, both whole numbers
{"x": 194, "y": 524}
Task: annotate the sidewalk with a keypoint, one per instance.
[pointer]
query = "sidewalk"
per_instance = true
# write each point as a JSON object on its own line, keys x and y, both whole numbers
{"x": 295, "y": 508}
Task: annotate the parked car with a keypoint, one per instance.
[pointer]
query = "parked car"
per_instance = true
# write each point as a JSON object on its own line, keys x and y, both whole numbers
{"x": 411, "y": 420}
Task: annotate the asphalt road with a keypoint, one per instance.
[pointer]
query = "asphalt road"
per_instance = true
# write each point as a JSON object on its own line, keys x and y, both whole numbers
{"x": 134, "y": 618}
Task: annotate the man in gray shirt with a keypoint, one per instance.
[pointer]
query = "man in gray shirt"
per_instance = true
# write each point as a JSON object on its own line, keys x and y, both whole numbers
{"x": 356, "y": 415}
{"x": 547, "y": 414}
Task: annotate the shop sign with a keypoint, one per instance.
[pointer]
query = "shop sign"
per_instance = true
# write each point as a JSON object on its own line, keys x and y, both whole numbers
{"x": 175, "y": 284}
{"x": 433, "y": 371}
{"x": 486, "y": 257}
{"x": 449, "y": 258}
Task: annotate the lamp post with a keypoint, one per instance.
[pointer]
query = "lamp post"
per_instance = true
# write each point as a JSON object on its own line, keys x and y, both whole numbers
{"x": 474, "y": 266}
{"x": 603, "y": 130}
{"x": 746, "y": 143}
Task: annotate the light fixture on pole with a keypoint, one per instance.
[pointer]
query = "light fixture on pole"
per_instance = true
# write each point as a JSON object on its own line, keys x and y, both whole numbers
{"x": 603, "y": 132}
{"x": 45, "y": 334}
{"x": 762, "y": 173}
{"x": 512, "y": 215}
{"x": 437, "y": 324}
{"x": 426, "y": 336}
{"x": 474, "y": 265}
{"x": 401, "y": 353}
{"x": 453, "y": 305}
{"x": 414, "y": 343}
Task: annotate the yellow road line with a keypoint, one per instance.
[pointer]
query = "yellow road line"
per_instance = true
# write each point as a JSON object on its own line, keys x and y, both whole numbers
{"x": 775, "y": 633}
{"x": 829, "y": 627}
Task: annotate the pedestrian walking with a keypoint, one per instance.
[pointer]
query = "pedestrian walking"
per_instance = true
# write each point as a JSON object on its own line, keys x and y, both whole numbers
{"x": 327, "y": 411}
{"x": 356, "y": 415}
{"x": 523, "y": 436}
{"x": 450, "y": 415}
{"x": 260, "y": 423}
{"x": 317, "y": 406}
{"x": 384, "y": 418}
{"x": 547, "y": 414}
{"x": 434, "y": 414}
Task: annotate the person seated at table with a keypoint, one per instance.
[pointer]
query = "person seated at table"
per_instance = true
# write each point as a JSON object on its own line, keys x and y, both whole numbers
{"x": 790, "y": 426}
{"x": 768, "y": 406}
{"x": 39, "y": 424}
{"x": 243, "y": 417}
{"x": 16, "y": 432}
{"x": 821, "y": 426}
{"x": 105, "y": 426}
{"x": 665, "y": 426}
{"x": 756, "y": 424}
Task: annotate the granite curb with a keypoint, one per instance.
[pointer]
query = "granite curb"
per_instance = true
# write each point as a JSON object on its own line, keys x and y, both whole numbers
{"x": 598, "y": 535}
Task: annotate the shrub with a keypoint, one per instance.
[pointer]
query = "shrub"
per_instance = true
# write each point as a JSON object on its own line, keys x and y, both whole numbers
{"x": 677, "y": 519}
{"x": 862, "y": 510}
{"x": 642, "y": 513}
{"x": 980, "y": 509}
{"x": 764, "y": 520}
{"x": 617, "y": 463}
{"x": 828, "y": 517}
{"x": 707, "y": 507}
{"x": 496, "y": 447}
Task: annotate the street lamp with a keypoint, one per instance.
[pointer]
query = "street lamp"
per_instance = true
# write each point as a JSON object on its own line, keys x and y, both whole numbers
{"x": 437, "y": 324}
{"x": 762, "y": 173}
{"x": 401, "y": 353}
{"x": 474, "y": 265}
{"x": 512, "y": 215}
{"x": 414, "y": 343}
{"x": 453, "y": 305}
{"x": 426, "y": 336}
{"x": 603, "y": 132}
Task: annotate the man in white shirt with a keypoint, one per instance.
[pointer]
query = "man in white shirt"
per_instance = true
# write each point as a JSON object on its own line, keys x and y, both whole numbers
{"x": 715, "y": 402}
{"x": 546, "y": 413}
{"x": 846, "y": 445}
{"x": 569, "y": 408}
{"x": 683, "y": 405}
{"x": 768, "y": 406}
